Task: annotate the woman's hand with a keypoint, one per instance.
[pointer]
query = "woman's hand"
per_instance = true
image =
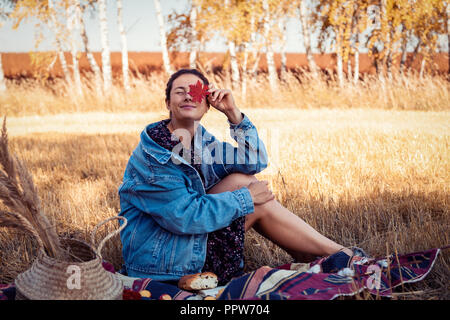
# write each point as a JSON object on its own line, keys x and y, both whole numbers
{"x": 260, "y": 192}
{"x": 222, "y": 100}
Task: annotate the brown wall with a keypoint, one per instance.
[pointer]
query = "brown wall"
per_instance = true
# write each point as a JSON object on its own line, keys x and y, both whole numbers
{"x": 16, "y": 65}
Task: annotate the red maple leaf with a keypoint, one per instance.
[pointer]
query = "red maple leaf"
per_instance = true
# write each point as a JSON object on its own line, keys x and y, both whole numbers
{"x": 198, "y": 91}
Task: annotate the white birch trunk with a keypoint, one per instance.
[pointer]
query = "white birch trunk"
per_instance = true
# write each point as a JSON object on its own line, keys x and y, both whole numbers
{"x": 283, "y": 69}
{"x": 106, "y": 54}
{"x": 194, "y": 43}
{"x": 234, "y": 64}
{"x": 271, "y": 68}
{"x": 340, "y": 72}
{"x": 305, "y": 23}
{"x": 162, "y": 33}
{"x": 244, "y": 71}
{"x": 386, "y": 44}
{"x": 422, "y": 68}
{"x": 73, "y": 23}
{"x": 246, "y": 54}
{"x": 404, "y": 54}
{"x": 2, "y": 77}
{"x": 254, "y": 69}
{"x": 356, "y": 72}
{"x": 92, "y": 63}
{"x": 123, "y": 41}
{"x": 255, "y": 54}
{"x": 272, "y": 71}
{"x": 233, "y": 59}
{"x": 349, "y": 69}
{"x": 54, "y": 23}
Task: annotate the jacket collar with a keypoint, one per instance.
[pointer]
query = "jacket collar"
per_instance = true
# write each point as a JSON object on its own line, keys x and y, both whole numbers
{"x": 163, "y": 155}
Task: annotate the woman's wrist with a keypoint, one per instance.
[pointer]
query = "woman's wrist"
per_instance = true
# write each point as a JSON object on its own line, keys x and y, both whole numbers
{"x": 235, "y": 116}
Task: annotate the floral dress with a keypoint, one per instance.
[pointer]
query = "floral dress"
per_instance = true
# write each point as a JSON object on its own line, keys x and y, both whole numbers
{"x": 225, "y": 247}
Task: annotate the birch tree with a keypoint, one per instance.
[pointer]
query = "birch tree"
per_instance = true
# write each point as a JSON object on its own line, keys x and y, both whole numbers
{"x": 123, "y": 41}
{"x": 45, "y": 14}
{"x": 106, "y": 54}
{"x": 235, "y": 77}
{"x": 56, "y": 26}
{"x": 335, "y": 21}
{"x": 272, "y": 71}
{"x": 163, "y": 38}
{"x": 90, "y": 57}
{"x": 195, "y": 46}
{"x": 306, "y": 24}
{"x": 189, "y": 31}
{"x": 230, "y": 19}
{"x": 73, "y": 25}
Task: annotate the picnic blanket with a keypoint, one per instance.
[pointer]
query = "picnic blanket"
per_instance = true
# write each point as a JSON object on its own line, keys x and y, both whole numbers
{"x": 324, "y": 279}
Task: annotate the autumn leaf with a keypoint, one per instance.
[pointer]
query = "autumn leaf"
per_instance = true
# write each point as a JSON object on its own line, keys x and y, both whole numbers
{"x": 198, "y": 91}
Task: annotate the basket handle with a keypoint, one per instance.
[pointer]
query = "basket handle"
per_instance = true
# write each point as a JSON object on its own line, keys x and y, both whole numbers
{"x": 109, "y": 236}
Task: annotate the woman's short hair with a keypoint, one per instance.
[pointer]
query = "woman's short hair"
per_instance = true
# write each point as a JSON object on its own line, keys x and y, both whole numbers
{"x": 181, "y": 72}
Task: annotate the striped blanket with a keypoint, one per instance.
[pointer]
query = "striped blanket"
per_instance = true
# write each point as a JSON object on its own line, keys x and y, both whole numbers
{"x": 324, "y": 279}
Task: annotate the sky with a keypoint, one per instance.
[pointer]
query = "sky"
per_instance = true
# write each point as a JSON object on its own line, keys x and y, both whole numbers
{"x": 141, "y": 25}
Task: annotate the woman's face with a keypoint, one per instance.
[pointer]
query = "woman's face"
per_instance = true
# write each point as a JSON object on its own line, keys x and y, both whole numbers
{"x": 181, "y": 104}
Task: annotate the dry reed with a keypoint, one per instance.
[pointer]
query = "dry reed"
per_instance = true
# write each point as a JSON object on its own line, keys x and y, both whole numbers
{"x": 19, "y": 195}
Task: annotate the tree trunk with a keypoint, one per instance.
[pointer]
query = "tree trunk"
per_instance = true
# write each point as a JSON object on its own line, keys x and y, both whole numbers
{"x": 356, "y": 72}
{"x": 234, "y": 64}
{"x": 416, "y": 50}
{"x": 92, "y": 63}
{"x": 250, "y": 45}
{"x": 340, "y": 71}
{"x": 2, "y": 77}
{"x": 255, "y": 53}
{"x": 162, "y": 33}
{"x": 106, "y": 55}
{"x": 305, "y": 23}
{"x": 254, "y": 69}
{"x": 283, "y": 70}
{"x": 404, "y": 54}
{"x": 73, "y": 23}
{"x": 385, "y": 29}
{"x": 355, "y": 31}
{"x": 349, "y": 69}
{"x": 123, "y": 41}
{"x": 244, "y": 70}
{"x": 422, "y": 68}
{"x": 194, "y": 42}
{"x": 269, "y": 50}
{"x": 56, "y": 27}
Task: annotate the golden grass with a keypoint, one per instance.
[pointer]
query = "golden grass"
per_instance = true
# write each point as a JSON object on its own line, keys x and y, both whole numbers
{"x": 365, "y": 164}
{"x": 299, "y": 91}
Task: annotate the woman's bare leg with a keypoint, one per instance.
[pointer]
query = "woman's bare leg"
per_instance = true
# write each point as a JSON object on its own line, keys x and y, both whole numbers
{"x": 280, "y": 225}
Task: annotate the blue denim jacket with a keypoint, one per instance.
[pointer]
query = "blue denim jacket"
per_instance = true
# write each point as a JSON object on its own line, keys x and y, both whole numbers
{"x": 168, "y": 210}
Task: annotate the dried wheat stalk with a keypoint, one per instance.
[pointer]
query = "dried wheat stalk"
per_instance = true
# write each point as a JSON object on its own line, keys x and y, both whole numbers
{"x": 18, "y": 193}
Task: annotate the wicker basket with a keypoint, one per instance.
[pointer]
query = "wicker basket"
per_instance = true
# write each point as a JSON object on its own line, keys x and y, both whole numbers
{"x": 81, "y": 277}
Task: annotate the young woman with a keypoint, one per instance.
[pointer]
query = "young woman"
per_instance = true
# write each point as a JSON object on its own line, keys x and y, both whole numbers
{"x": 189, "y": 198}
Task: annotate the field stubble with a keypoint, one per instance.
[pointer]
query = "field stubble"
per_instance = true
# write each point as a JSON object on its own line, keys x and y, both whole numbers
{"x": 374, "y": 178}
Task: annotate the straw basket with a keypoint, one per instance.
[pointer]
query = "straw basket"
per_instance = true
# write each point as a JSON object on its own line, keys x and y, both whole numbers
{"x": 81, "y": 277}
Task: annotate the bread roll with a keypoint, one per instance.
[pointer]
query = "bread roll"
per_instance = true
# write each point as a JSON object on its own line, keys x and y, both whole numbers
{"x": 198, "y": 281}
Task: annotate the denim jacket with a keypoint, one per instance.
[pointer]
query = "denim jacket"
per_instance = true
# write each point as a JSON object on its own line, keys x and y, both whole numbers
{"x": 166, "y": 204}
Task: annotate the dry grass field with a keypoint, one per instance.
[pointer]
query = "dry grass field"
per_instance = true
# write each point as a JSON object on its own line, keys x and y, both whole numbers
{"x": 366, "y": 165}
